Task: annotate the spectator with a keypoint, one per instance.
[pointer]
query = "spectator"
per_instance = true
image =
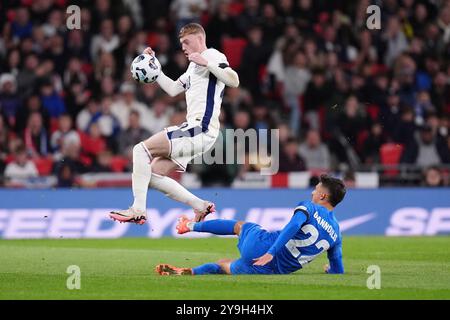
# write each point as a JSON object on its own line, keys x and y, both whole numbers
{"x": 221, "y": 25}
{"x": 371, "y": 145}
{"x": 92, "y": 142}
{"x": 4, "y": 136}
{"x": 420, "y": 19}
{"x": 395, "y": 39}
{"x": 65, "y": 135}
{"x": 76, "y": 97}
{"x": 296, "y": 80}
{"x": 175, "y": 69}
{"x": 444, "y": 23}
{"x": 187, "y": 12}
{"x": 107, "y": 87}
{"x": 124, "y": 29}
{"x": 158, "y": 117}
{"x": 13, "y": 62}
{"x": 21, "y": 167}
{"x": 71, "y": 156}
{"x": 316, "y": 95}
{"x": 262, "y": 123}
{"x": 241, "y": 120}
{"x": 108, "y": 123}
{"x": 9, "y": 99}
{"x": 352, "y": 121}
{"x": 66, "y": 177}
{"x": 440, "y": 92}
{"x": 290, "y": 160}
{"x": 51, "y": 100}
{"x": 86, "y": 116}
{"x": 349, "y": 179}
{"x": 250, "y": 16}
{"x": 36, "y": 136}
{"x": 405, "y": 129}
{"x": 105, "y": 67}
{"x": 56, "y": 53}
{"x": 254, "y": 56}
{"x": 148, "y": 94}
{"x": 105, "y": 42}
{"x": 235, "y": 99}
{"x": 22, "y": 26}
{"x": 74, "y": 73}
{"x": 134, "y": 134}
{"x": 433, "y": 177}
{"x": 102, "y": 162}
{"x": 32, "y": 104}
{"x": 26, "y": 79}
{"x": 163, "y": 48}
{"x": 272, "y": 24}
{"x": 425, "y": 150}
{"x": 285, "y": 47}
{"x": 77, "y": 45}
{"x": 126, "y": 103}
{"x": 390, "y": 113}
{"x": 314, "y": 152}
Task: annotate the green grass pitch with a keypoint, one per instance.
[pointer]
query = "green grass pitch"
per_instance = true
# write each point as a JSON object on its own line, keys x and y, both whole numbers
{"x": 411, "y": 268}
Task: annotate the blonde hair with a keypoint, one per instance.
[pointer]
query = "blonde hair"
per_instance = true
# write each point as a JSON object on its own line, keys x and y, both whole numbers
{"x": 191, "y": 28}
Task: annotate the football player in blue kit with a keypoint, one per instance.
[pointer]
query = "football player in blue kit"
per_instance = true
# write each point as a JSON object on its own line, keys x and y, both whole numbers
{"x": 312, "y": 230}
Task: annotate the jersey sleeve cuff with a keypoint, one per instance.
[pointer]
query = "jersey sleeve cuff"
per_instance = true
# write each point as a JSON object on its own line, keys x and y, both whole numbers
{"x": 303, "y": 210}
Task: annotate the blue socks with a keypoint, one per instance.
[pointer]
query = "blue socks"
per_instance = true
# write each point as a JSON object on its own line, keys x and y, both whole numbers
{"x": 218, "y": 226}
{"x": 208, "y": 268}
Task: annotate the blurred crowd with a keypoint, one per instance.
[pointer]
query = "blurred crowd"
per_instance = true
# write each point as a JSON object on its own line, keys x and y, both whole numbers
{"x": 343, "y": 97}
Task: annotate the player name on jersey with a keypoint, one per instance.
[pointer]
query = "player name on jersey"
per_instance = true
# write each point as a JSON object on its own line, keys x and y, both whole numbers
{"x": 325, "y": 225}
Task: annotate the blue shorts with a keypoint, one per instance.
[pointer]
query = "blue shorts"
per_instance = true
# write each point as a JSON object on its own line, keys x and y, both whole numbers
{"x": 253, "y": 243}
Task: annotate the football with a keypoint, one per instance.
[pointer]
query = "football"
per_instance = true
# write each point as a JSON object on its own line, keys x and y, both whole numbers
{"x": 145, "y": 68}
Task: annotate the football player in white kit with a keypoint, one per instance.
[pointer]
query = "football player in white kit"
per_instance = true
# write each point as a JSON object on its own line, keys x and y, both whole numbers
{"x": 153, "y": 159}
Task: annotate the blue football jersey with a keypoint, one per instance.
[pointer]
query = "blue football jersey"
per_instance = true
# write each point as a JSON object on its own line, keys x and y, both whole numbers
{"x": 318, "y": 234}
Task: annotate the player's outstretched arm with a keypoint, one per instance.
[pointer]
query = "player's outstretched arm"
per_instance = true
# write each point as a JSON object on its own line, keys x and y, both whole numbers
{"x": 172, "y": 88}
{"x": 335, "y": 259}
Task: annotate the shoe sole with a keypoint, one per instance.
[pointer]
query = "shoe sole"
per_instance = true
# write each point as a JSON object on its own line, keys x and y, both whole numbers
{"x": 167, "y": 270}
{"x": 210, "y": 209}
{"x": 123, "y": 219}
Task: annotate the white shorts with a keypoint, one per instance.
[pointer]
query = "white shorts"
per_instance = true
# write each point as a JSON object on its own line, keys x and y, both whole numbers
{"x": 188, "y": 141}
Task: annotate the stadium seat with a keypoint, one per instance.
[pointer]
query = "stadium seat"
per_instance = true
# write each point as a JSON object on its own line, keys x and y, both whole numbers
{"x": 43, "y": 165}
{"x": 118, "y": 163}
{"x": 54, "y": 125}
{"x": 373, "y": 111}
{"x": 233, "y": 48}
{"x": 236, "y": 8}
{"x": 390, "y": 154}
{"x": 152, "y": 39}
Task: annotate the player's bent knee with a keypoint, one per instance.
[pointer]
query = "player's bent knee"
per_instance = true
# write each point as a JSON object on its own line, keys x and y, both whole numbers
{"x": 225, "y": 266}
{"x": 158, "y": 144}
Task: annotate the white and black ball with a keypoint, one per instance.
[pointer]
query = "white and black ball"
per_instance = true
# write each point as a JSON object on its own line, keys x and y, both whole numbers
{"x": 145, "y": 68}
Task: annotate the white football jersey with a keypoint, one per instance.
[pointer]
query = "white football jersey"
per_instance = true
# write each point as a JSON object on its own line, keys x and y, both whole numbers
{"x": 204, "y": 92}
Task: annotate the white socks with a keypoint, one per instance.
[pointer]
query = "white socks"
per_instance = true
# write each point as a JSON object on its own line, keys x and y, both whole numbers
{"x": 142, "y": 173}
{"x": 176, "y": 191}
{"x": 142, "y": 176}
{"x": 191, "y": 225}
